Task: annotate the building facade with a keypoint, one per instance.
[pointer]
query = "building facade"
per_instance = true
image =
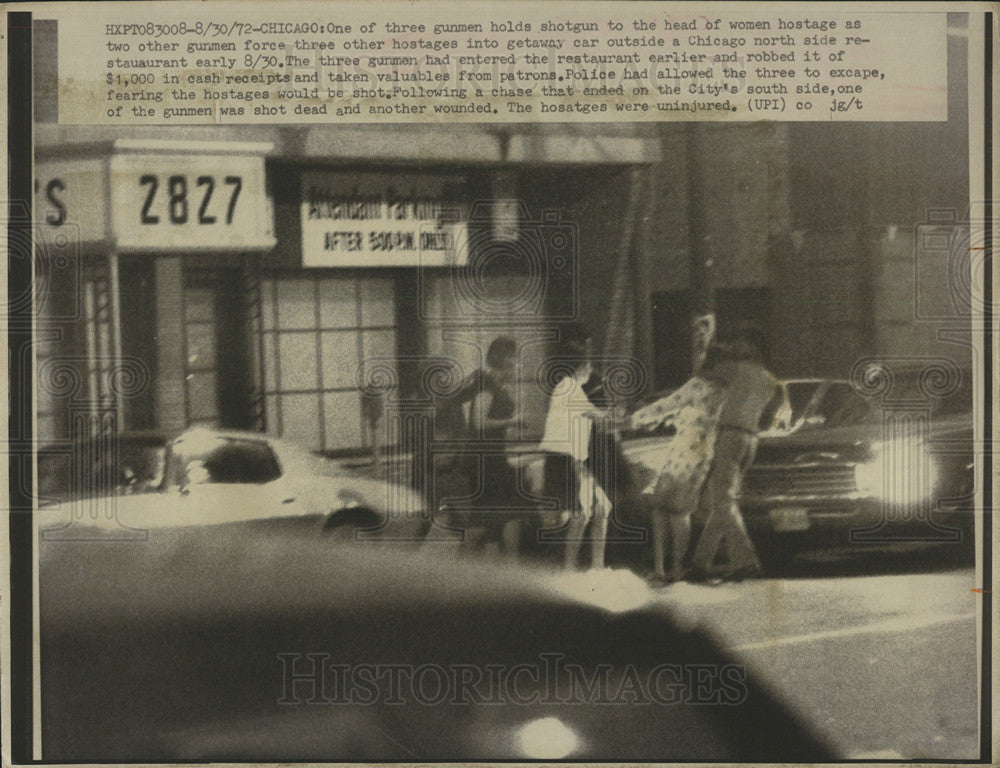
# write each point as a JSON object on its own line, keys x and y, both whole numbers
{"x": 302, "y": 279}
{"x": 279, "y": 279}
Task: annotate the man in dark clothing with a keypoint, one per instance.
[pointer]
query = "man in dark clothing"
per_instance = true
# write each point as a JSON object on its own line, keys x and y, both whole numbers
{"x": 481, "y": 409}
{"x": 754, "y": 397}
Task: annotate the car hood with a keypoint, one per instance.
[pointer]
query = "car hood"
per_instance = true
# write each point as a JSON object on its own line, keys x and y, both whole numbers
{"x": 855, "y": 441}
{"x": 852, "y": 441}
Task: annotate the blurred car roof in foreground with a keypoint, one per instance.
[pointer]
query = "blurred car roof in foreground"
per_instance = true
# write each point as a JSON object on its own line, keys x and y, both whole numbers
{"x": 176, "y": 648}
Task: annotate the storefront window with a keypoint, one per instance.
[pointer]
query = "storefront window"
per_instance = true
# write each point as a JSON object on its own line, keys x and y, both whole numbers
{"x": 200, "y": 378}
{"x": 317, "y": 333}
{"x": 49, "y": 425}
{"x": 97, "y": 329}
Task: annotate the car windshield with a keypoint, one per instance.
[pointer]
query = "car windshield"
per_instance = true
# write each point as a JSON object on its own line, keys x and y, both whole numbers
{"x": 859, "y": 409}
{"x": 837, "y": 396}
{"x": 220, "y": 459}
{"x": 800, "y": 393}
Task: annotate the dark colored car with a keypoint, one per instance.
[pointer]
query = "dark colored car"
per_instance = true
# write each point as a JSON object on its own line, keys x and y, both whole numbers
{"x": 882, "y": 467}
{"x": 812, "y": 401}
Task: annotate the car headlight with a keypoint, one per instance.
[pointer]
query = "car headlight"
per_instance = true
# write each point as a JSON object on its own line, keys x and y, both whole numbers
{"x": 546, "y": 738}
{"x": 900, "y": 472}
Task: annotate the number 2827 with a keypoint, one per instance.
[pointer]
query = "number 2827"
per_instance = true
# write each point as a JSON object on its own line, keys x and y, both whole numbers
{"x": 200, "y": 204}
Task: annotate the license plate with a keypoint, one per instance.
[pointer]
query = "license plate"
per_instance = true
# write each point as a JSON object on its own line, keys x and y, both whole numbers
{"x": 785, "y": 519}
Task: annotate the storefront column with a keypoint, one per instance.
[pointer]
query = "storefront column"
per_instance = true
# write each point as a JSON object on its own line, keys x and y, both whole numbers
{"x": 702, "y": 260}
{"x": 169, "y": 378}
{"x": 644, "y": 250}
{"x": 114, "y": 287}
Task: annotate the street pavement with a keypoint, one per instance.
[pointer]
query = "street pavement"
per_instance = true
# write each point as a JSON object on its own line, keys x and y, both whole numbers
{"x": 883, "y": 664}
{"x": 877, "y": 650}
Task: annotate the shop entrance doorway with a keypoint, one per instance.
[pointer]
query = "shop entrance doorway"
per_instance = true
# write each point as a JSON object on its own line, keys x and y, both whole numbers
{"x": 217, "y": 381}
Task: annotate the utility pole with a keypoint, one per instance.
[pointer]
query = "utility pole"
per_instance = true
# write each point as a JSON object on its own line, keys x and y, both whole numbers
{"x": 701, "y": 271}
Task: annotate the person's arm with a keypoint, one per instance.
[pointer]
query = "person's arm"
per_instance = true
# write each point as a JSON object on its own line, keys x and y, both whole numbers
{"x": 783, "y": 412}
{"x": 665, "y": 410}
{"x": 479, "y": 409}
{"x": 593, "y": 412}
{"x": 777, "y": 405}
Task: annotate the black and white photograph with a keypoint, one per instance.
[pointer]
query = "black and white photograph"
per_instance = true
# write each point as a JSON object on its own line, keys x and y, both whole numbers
{"x": 517, "y": 433}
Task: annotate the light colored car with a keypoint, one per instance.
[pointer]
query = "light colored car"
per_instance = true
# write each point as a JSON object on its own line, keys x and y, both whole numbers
{"x": 209, "y": 477}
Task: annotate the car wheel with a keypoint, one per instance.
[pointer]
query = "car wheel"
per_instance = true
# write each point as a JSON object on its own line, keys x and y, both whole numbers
{"x": 346, "y": 524}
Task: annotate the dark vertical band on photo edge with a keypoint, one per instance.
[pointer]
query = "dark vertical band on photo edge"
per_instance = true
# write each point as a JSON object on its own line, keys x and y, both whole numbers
{"x": 989, "y": 506}
{"x": 19, "y": 260}
{"x": 20, "y": 196}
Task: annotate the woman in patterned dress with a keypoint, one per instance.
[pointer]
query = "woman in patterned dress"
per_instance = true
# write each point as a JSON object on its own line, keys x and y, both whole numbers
{"x": 672, "y": 476}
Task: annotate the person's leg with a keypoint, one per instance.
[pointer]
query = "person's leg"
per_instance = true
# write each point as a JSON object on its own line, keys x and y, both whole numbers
{"x": 674, "y": 502}
{"x": 721, "y": 476}
{"x": 742, "y": 553}
{"x": 447, "y": 483}
{"x": 599, "y": 524}
{"x": 578, "y": 520}
{"x": 580, "y": 517}
{"x": 748, "y": 459}
{"x": 725, "y": 516}
{"x": 510, "y": 539}
{"x": 557, "y": 490}
{"x": 473, "y": 539}
{"x": 659, "y": 533}
{"x": 680, "y": 536}
{"x": 599, "y": 536}
{"x": 703, "y": 557}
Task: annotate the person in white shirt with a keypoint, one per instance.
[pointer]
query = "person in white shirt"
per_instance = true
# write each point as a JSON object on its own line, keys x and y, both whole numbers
{"x": 566, "y": 444}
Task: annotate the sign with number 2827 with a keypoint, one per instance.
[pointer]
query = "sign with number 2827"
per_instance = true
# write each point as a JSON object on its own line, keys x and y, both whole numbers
{"x": 195, "y": 202}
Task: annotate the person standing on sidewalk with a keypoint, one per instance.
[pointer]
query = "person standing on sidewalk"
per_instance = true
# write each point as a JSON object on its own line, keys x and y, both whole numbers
{"x": 480, "y": 409}
{"x": 493, "y": 516}
{"x": 672, "y": 478}
{"x": 565, "y": 447}
{"x": 753, "y": 398}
